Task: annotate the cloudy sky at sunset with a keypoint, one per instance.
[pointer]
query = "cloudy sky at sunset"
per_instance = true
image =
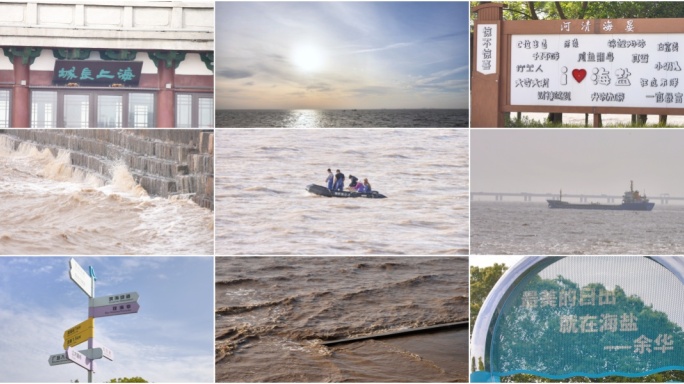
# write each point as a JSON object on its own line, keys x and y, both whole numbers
{"x": 341, "y": 55}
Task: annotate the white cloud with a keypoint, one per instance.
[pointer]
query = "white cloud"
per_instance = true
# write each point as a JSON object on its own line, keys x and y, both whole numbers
{"x": 36, "y": 310}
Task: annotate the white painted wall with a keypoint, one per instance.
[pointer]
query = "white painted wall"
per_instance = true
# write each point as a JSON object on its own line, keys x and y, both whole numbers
{"x": 5, "y": 63}
{"x": 44, "y": 62}
{"x": 193, "y": 65}
{"x": 170, "y": 25}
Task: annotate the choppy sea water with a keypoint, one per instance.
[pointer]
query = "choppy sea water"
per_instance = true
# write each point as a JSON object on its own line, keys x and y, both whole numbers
{"x": 263, "y": 208}
{"x": 273, "y": 312}
{"x": 501, "y": 228}
{"x": 349, "y": 118}
{"x": 50, "y": 208}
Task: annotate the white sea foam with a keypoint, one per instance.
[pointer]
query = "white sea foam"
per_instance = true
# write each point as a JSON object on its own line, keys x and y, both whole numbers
{"x": 123, "y": 182}
{"x": 52, "y": 207}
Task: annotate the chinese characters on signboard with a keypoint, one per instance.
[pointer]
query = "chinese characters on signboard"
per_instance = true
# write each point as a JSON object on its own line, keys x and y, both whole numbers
{"x": 97, "y": 73}
{"x": 612, "y": 70}
{"x": 117, "y": 298}
{"x": 486, "y": 48}
{"x": 608, "y": 321}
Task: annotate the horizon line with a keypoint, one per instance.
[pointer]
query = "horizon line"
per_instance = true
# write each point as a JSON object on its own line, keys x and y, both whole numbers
{"x": 332, "y": 109}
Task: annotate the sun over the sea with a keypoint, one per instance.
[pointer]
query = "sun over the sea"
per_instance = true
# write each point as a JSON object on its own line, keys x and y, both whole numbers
{"x": 308, "y": 58}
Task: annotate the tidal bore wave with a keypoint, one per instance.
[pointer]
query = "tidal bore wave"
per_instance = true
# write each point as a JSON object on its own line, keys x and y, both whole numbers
{"x": 55, "y": 208}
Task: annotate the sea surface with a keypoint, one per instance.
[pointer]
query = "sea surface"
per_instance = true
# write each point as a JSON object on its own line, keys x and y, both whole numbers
{"x": 273, "y": 312}
{"x": 349, "y": 118}
{"x": 263, "y": 207}
{"x": 50, "y": 208}
{"x": 518, "y": 228}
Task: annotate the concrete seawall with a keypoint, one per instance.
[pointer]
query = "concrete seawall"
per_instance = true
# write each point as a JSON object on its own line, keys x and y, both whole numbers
{"x": 166, "y": 162}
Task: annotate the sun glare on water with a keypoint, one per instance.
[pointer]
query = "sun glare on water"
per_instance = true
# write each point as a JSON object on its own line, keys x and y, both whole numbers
{"x": 308, "y": 58}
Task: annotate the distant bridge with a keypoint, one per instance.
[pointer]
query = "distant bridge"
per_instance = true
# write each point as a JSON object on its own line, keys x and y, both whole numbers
{"x": 499, "y": 196}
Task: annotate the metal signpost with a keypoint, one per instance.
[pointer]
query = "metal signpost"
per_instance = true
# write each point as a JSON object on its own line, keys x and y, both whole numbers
{"x": 111, "y": 305}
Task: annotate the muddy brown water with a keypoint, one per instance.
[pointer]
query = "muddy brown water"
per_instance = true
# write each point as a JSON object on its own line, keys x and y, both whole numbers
{"x": 273, "y": 312}
{"x": 52, "y": 208}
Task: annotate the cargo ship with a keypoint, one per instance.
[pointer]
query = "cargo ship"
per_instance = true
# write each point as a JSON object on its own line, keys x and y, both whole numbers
{"x": 631, "y": 201}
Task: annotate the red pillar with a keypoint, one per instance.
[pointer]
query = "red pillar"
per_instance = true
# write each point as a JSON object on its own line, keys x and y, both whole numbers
{"x": 21, "y": 103}
{"x": 165, "y": 100}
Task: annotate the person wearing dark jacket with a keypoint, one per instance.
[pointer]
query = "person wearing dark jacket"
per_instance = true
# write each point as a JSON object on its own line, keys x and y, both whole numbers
{"x": 339, "y": 180}
{"x": 354, "y": 180}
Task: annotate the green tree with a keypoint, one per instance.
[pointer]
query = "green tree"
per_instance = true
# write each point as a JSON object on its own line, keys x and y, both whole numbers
{"x": 135, "y": 379}
{"x": 636, "y": 10}
{"x": 561, "y": 10}
{"x": 482, "y": 281}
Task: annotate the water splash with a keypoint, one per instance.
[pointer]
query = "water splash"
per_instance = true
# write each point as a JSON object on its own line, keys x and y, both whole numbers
{"x": 122, "y": 180}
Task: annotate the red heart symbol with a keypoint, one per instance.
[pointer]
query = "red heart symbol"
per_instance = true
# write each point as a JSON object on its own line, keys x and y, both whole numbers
{"x": 579, "y": 74}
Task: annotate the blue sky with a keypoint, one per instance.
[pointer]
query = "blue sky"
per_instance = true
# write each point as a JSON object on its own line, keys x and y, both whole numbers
{"x": 170, "y": 339}
{"x": 309, "y": 55}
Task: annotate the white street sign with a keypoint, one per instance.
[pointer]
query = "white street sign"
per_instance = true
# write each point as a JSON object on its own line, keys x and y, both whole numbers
{"x": 92, "y": 354}
{"x": 81, "y": 277}
{"x": 120, "y": 298}
{"x": 106, "y": 352}
{"x": 80, "y": 359}
{"x": 59, "y": 359}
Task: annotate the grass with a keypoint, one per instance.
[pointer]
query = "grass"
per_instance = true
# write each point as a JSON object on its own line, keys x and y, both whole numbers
{"x": 526, "y": 122}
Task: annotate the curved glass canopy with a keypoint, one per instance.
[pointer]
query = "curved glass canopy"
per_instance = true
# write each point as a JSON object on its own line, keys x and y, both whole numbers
{"x": 559, "y": 317}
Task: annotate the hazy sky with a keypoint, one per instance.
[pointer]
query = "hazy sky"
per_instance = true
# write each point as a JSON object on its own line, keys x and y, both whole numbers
{"x": 328, "y": 55}
{"x": 170, "y": 339}
{"x": 577, "y": 161}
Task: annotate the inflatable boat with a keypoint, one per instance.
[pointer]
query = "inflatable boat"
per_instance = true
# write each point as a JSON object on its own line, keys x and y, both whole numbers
{"x": 323, "y": 191}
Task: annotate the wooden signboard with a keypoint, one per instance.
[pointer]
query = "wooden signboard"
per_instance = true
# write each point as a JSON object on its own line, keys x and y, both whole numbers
{"x": 620, "y": 66}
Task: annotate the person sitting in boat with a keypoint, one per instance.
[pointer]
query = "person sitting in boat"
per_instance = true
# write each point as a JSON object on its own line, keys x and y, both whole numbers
{"x": 330, "y": 179}
{"x": 360, "y": 188}
{"x": 367, "y": 186}
{"x": 339, "y": 181}
{"x": 354, "y": 182}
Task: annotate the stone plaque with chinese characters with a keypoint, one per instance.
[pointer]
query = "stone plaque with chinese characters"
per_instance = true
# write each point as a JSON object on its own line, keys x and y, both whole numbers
{"x": 591, "y": 316}
{"x": 487, "y": 48}
{"x": 626, "y": 69}
{"x": 97, "y": 73}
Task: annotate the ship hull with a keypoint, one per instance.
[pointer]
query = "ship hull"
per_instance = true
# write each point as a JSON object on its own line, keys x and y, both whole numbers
{"x": 642, "y": 206}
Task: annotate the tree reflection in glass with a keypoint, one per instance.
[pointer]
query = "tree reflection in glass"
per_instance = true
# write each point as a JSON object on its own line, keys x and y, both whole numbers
{"x": 588, "y": 316}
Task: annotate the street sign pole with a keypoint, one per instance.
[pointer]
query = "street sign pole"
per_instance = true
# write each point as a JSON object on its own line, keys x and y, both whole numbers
{"x": 90, "y": 302}
{"x": 120, "y": 304}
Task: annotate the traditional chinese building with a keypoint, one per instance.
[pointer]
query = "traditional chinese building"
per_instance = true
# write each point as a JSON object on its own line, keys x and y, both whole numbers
{"x": 105, "y": 63}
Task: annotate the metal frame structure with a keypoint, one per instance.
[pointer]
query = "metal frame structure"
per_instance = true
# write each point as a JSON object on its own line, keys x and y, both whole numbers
{"x": 486, "y": 320}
